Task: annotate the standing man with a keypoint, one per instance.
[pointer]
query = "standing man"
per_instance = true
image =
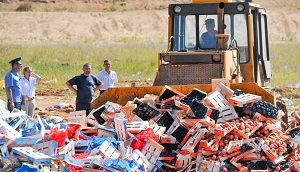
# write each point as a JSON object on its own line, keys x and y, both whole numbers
{"x": 86, "y": 84}
{"x": 13, "y": 86}
{"x": 107, "y": 76}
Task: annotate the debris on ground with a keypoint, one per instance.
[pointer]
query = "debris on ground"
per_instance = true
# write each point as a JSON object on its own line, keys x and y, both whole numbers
{"x": 225, "y": 130}
{"x": 54, "y": 119}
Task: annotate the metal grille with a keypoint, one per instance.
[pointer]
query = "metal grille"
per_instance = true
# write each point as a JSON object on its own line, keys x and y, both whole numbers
{"x": 188, "y": 74}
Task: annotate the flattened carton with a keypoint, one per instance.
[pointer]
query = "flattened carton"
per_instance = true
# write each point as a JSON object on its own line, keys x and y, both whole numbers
{"x": 37, "y": 158}
{"x": 24, "y": 141}
{"x": 48, "y": 148}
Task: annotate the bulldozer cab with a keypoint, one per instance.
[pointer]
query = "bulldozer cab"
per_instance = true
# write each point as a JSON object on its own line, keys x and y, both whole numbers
{"x": 240, "y": 53}
{"x": 240, "y": 50}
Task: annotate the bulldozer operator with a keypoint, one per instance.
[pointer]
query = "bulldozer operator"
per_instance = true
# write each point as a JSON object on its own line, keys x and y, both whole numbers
{"x": 208, "y": 39}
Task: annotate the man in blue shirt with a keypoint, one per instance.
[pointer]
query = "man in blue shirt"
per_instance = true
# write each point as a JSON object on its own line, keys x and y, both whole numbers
{"x": 86, "y": 84}
{"x": 208, "y": 39}
{"x": 13, "y": 86}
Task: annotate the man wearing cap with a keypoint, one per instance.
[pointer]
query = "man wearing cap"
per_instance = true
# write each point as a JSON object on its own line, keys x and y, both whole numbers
{"x": 13, "y": 86}
{"x": 208, "y": 39}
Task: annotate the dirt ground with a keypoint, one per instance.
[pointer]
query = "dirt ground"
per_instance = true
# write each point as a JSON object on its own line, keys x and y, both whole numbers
{"x": 54, "y": 103}
{"x": 68, "y": 21}
{"x": 64, "y": 21}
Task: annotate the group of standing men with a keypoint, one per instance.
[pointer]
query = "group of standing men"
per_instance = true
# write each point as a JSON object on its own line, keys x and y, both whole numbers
{"x": 86, "y": 85}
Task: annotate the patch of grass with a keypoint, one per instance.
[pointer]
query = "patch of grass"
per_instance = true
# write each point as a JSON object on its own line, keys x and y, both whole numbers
{"x": 25, "y": 6}
{"x": 131, "y": 40}
{"x": 113, "y": 5}
{"x": 285, "y": 64}
{"x": 123, "y": 7}
{"x": 290, "y": 37}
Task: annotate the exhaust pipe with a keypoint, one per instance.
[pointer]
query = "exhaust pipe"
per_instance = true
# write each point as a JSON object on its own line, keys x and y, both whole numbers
{"x": 222, "y": 39}
{"x": 221, "y": 18}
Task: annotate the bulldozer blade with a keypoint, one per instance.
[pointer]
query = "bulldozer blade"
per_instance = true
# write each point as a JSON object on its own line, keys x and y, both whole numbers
{"x": 122, "y": 95}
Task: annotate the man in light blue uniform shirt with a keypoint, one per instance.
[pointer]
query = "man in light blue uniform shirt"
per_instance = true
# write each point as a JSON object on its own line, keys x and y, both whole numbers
{"x": 13, "y": 86}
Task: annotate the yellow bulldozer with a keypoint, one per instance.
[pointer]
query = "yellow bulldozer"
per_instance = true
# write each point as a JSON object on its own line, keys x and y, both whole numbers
{"x": 239, "y": 54}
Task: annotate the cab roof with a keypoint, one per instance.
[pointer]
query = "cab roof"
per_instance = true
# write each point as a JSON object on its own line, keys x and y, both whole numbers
{"x": 213, "y": 1}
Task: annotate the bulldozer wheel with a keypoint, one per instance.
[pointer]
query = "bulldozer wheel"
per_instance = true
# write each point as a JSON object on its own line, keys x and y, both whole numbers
{"x": 285, "y": 118}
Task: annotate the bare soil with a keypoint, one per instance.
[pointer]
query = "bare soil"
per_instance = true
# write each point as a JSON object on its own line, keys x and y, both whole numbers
{"x": 68, "y": 21}
{"x": 47, "y": 102}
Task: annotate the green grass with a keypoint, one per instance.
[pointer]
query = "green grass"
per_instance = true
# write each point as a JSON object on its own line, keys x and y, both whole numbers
{"x": 132, "y": 59}
{"x": 285, "y": 64}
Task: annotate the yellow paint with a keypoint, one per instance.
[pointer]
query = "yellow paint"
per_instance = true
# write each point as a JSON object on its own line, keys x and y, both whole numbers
{"x": 227, "y": 64}
{"x": 1, "y": 84}
{"x": 125, "y": 94}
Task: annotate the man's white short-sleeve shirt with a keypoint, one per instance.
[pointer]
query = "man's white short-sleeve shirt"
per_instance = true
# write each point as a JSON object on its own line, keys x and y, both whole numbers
{"x": 108, "y": 79}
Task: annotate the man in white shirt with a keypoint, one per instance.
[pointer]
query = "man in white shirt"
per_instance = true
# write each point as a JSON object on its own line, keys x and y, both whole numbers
{"x": 107, "y": 76}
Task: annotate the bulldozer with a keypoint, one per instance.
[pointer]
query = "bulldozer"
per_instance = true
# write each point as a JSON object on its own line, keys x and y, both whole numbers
{"x": 240, "y": 53}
